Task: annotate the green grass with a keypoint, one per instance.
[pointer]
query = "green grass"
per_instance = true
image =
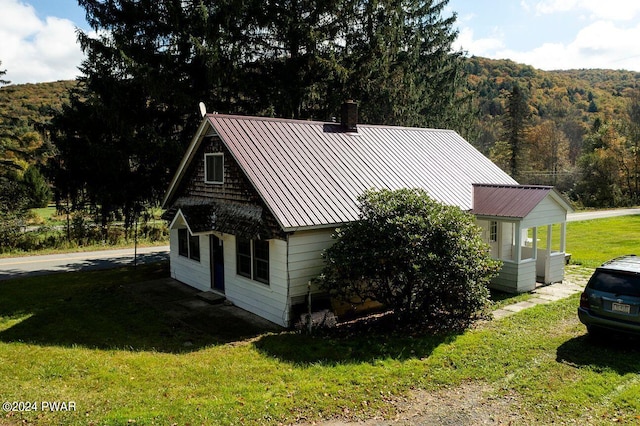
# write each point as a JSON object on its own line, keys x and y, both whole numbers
{"x": 592, "y": 242}
{"x": 84, "y": 337}
{"x": 81, "y": 337}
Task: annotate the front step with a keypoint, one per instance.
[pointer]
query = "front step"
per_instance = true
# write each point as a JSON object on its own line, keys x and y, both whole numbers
{"x": 211, "y": 297}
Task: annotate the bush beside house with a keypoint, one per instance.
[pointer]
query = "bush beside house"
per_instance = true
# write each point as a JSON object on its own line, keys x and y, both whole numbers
{"x": 424, "y": 260}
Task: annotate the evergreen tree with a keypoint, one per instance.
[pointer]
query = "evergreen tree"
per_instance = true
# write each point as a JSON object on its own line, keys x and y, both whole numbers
{"x": 297, "y": 70}
{"x": 633, "y": 138}
{"x": 515, "y": 126}
{"x": 128, "y": 122}
{"x": 152, "y": 61}
{"x": 401, "y": 66}
{"x": 36, "y": 188}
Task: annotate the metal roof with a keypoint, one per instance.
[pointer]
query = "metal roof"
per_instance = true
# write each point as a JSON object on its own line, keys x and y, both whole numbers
{"x": 515, "y": 201}
{"x": 310, "y": 173}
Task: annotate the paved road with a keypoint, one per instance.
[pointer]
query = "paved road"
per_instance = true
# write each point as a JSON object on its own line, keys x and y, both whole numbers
{"x": 67, "y": 262}
{"x": 600, "y": 214}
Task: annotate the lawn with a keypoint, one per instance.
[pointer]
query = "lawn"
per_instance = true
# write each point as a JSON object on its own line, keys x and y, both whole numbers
{"x": 83, "y": 338}
{"x": 592, "y": 242}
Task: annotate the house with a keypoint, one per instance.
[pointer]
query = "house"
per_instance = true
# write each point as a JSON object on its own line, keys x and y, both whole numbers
{"x": 255, "y": 200}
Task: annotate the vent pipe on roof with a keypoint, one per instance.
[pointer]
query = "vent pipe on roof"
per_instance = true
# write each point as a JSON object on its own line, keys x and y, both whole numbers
{"x": 350, "y": 116}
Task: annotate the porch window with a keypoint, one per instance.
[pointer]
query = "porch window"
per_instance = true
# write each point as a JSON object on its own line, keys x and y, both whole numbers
{"x": 253, "y": 259}
{"x": 493, "y": 231}
{"x": 214, "y": 168}
{"x": 188, "y": 245}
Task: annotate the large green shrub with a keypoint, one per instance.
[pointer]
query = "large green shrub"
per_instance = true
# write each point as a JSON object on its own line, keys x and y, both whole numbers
{"x": 423, "y": 259}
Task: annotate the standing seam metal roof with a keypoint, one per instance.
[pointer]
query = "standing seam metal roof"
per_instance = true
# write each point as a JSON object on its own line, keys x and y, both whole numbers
{"x": 310, "y": 174}
{"x": 507, "y": 201}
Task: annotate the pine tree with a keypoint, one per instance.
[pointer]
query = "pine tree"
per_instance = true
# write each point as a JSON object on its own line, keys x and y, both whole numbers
{"x": 515, "y": 126}
{"x": 127, "y": 124}
{"x": 154, "y": 60}
{"x": 633, "y": 137}
{"x": 401, "y": 66}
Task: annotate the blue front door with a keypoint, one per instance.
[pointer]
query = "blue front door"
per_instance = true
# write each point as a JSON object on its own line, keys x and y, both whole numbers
{"x": 217, "y": 263}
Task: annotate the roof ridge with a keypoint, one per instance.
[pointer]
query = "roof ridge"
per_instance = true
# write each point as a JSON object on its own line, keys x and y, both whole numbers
{"x": 317, "y": 122}
{"x": 494, "y": 185}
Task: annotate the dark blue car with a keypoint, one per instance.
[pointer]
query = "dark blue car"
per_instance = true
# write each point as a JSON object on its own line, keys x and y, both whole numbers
{"x": 611, "y": 299}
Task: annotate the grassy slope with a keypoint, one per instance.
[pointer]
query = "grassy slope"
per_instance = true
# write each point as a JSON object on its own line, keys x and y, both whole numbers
{"x": 80, "y": 337}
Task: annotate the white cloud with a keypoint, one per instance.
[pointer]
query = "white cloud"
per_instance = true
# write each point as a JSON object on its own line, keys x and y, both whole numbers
{"x": 33, "y": 50}
{"x": 615, "y": 10}
{"x": 480, "y": 47}
{"x": 599, "y": 45}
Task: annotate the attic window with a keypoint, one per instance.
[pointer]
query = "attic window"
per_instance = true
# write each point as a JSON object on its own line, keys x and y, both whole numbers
{"x": 214, "y": 168}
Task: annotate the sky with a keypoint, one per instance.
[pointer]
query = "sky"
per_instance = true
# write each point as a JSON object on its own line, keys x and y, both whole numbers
{"x": 38, "y": 37}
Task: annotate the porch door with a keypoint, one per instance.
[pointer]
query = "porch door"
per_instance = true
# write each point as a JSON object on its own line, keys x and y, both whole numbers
{"x": 217, "y": 263}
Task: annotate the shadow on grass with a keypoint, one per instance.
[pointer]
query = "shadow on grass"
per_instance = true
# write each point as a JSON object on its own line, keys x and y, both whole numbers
{"x": 327, "y": 349}
{"x": 110, "y": 310}
{"x": 618, "y": 353}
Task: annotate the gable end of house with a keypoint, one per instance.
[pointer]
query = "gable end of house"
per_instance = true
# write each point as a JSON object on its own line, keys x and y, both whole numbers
{"x": 230, "y": 205}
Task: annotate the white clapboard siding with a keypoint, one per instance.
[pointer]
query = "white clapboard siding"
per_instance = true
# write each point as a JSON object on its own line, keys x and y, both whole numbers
{"x": 555, "y": 268}
{"x": 268, "y": 301}
{"x": 305, "y": 258}
{"x": 188, "y": 271}
{"x": 516, "y": 278}
{"x": 546, "y": 212}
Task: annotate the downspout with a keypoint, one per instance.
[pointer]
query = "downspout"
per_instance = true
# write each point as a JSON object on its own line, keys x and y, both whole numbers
{"x": 287, "y": 309}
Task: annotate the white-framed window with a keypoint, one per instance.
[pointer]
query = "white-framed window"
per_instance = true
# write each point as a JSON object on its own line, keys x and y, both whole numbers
{"x": 252, "y": 259}
{"x": 188, "y": 245}
{"x": 493, "y": 231}
{"x": 214, "y": 168}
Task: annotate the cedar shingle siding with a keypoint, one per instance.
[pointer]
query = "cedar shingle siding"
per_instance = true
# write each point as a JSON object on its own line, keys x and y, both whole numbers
{"x": 236, "y": 206}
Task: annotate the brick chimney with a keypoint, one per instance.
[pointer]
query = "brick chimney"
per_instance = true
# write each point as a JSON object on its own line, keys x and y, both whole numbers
{"x": 350, "y": 116}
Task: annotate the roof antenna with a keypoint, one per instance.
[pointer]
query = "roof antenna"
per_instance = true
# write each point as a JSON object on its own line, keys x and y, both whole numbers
{"x": 203, "y": 109}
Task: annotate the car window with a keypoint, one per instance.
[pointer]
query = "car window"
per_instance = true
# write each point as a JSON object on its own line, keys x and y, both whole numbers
{"x": 617, "y": 283}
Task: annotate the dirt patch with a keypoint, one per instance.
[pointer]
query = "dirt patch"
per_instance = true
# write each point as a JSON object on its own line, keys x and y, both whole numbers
{"x": 468, "y": 404}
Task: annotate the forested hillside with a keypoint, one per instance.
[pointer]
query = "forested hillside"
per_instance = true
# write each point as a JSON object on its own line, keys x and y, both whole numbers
{"x": 580, "y": 129}
{"x": 25, "y": 112}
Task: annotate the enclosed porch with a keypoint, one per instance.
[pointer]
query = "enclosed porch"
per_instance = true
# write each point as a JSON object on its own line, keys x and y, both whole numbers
{"x": 525, "y": 226}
